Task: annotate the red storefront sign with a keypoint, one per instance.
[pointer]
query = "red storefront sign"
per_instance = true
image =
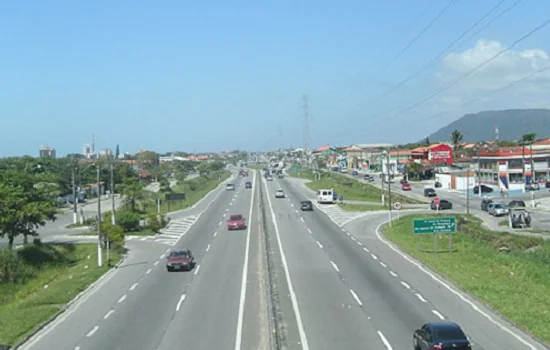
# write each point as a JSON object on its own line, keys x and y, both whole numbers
{"x": 441, "y": 154}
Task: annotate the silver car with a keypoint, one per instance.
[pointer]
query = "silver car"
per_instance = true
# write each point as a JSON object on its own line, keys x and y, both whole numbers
{"x": 498, "y": 209}
{"x": 279, "y": 194}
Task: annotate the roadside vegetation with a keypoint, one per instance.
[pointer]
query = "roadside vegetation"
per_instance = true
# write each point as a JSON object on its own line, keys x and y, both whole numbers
{"x": 36, "y": 283}
{"x": 351, "y": 189}
{"x": 509, "y": 273}
{"x": 362, "y": 207}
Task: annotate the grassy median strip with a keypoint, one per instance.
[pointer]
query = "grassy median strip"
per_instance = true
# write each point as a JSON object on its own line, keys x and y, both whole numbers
{"x": 350, "y": 188}
{"x": 143, "y": 232}
{"x": 361, "y": 207}
{"x": 509, "y": 273}
{"x": 39, "y": 280}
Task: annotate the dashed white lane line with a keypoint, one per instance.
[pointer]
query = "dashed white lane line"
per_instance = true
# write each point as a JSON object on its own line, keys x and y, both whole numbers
{"x": 347, "y": 233}
{"x": 405, "y": 285}
{"x": 319, "y": 244}
{"x": 383, "y": 265}
{"x": 133, "y": 286}
{"x": 393, "y": 274}
{"x": 309, "y": 230}
{"x": 297, "y": 212}
{"x": 148, "y": 272}
{"x": 143, "y": 239}
{"x": 162, "y": 256}
{"x": 367, "y": 250}
{"x": 215, "y": 233}
{"x": 374, "y": 257}
{"x": 92, "y": 331}
{"x": 292, "y": 205}
{"x": 122, "y": 298}
{"x": 419, "y": 296}
{"x": 335, "y": 266}
{"x": 230, "y": 204}
{"x": 344, "y": 230}
{"x": 435, "y": 312}
{"x": 167, "y": 250}
{"x": 220, "y": 223}
{"x": 356, "y": 297}
{"x": 182, "y": 298}
{"x": 226, "y": 210}
{"x": 156, "y": 263}
{"x": 385, "y": 341}
{"x": 354, "y": 239}
{"x": 77, "y": 348}
{"x": 302, "y": 219}
{"x": 208, "y": 248}
{"x": 359, "y": 243}
{"x": 197, "y": 270}
{"x": 108, "y": 314}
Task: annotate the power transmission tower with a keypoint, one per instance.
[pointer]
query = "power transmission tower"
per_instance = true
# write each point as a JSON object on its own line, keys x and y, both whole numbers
{"x": 306, "y": 116}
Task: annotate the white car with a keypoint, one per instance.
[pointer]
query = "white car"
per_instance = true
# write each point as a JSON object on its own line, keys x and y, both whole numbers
{"x": 269, "y": 178}
{"x": 279, "y": 194}
{"x": 230, "y": 187}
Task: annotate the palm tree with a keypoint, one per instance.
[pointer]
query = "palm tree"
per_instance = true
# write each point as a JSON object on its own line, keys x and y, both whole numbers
{"x": 527, "y": 140}
{"x": 132, "y": 190}
{"x": 456, "y": 138}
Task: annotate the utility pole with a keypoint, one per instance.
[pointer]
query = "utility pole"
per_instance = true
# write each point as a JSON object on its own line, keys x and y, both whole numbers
{"x": 99, "y": 242}
{"x": 468, "y": 193}
{"x": 523, "y": 164}
{"x": 389, "y": 185}
{"x": 75, "y": 199}
{"x": 113, "y": 209}
{"x": 306, "y": 116}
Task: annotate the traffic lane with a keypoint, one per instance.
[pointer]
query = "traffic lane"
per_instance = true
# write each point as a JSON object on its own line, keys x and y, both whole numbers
{"x": 141, "y": 320}
{"x": 392, "y": 311}
{"x": 85, "y": 312}
{"x": 331, "y": 315}
{"x": 486, "y": 329}
{"x": 211, "y": 303}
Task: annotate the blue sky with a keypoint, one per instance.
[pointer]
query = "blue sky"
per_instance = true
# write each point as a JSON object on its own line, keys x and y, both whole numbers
{"x": 219, "y": 75}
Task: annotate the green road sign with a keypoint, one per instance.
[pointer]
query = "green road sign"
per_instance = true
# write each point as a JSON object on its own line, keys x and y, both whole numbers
{"x": 435, "y": 225}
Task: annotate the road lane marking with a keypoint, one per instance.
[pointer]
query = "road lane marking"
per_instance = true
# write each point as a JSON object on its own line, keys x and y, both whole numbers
{"x": 384, "y": 340}
{"x": 197, "y": 270}
{"x": 454, "y": 291}
{"x": 356, "y": 297}
{"x": 108, "y": 314}
{"x": 293, "y": 298}
{"x": 220, "y": 223}
{"x": 122, "y": 298}
{"x": 319, "y": 244}
{"x": 335, "y": 266}
{"x": 344, "y": 230}
{"x": 405, "y": 285}
{"x": 309, "y": 230}
{"x": 374, "y": 257}
{"x": 242, "y": 299}
{"x": 419, "y": 296}
{"x": 77, "y": 348}
{"x": 156, "y": 263}
{"x": 366, "y": 249}
{"x": 383, "y": 265}
{"x": 215, "y": 233}
{"x": 133, "y": 286}
{"x": 302, "y": 219}
{"x": 359, "y": 243}
{"x": 167, "y": 250}
{"x": 162, "y": 256}
{"x": 208, "y": 248}
{"x": 393, "y": 274}
{"x": 292, "y": 205}
{"x": 435, "y": 312}
{"x": 353, "y": 239}
{"x": 297, "y": 212}
{"x": 182, "y": 298}
{"x": 92, "y": 331}
{"x": 148, "y": 272}
{"x": 347, "y": 233}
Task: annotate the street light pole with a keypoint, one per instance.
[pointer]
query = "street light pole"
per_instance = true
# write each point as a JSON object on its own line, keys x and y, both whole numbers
{"x": 389, "y": 185}
{"x": 99, "y": 252}
{"x": 113, "y": 210}
{"x": 75, "y": 210}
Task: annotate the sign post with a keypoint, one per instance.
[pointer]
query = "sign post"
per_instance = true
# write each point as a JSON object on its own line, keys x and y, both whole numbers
{"x": 397, "y": 206}
{"x": 435, "y": 226}
{"x": 174, "y": 197}
{"x": 437, "y": 202}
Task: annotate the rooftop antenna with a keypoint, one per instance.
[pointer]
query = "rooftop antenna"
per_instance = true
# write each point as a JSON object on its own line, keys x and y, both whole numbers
{"x": 497, "y": 135}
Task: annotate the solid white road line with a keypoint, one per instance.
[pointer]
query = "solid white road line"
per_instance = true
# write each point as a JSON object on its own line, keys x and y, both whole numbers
{"x": 385, "y": 341}
{"x": 335, "y": 266}
{"x": 405, "y": 285}
{"x": 438, "y": 314}
{"x": 108, "y": 314}
{"x": 319, "y": 244}
{"x": 293, "y": 298}
{"x": 122, "y": 298}
{"x": 197, "y": 270}
{"x": 356, "y": 297}
{"x": 92, "y": 331}
{"x": 240, "y": 317}
{"x": 182, "y": 298}
{"x": 133, "y": 286}
{"x": 419, "y": 296}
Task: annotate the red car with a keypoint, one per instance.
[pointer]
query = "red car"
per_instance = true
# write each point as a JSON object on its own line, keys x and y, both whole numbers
{"x": 402, "y": 181}
{"x": 181, "y": 259}
{"x": 236, "y": 222}
{"x": 406, "y": 187}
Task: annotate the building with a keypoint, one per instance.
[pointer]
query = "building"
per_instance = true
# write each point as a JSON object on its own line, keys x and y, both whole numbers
{"x": 87, "y": 151}
{"x": 106, "y": 153}
{"x": 437, "y": 154}
{"x": 47, "y": 151}
{"x": 504, "y": 167}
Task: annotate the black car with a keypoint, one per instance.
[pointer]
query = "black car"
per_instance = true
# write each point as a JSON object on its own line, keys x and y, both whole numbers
{"x": 443, "y": 204}
{"x": 484, "y": 189}
{"x": 248, "y": 184}
{"x": 429, "y": 192}
{"x": 440, "y": 335}
{"x": 516, "y": 204}
{"x": 306, "y": 205}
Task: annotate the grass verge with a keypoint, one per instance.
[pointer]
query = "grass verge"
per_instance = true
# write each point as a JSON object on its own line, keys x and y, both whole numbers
{"x": 515, "y": 284}
{"x": 354, "y": 190}
{"x": 143, "y": 232}
{"x": 361, "y": 207}
{"x": 53, "y": 276}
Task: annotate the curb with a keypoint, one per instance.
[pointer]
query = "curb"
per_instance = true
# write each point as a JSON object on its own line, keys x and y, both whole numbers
{"x": 67, "y": 306}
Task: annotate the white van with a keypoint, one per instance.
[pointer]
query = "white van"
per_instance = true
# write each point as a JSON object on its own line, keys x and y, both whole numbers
{"x": 325, "y": 196}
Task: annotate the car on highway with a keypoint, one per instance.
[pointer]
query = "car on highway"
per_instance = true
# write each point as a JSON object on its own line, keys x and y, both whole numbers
{"x": 236, "y": 222}
{"x": 484, "y": 189}
{"x": 497, "y": 209}
{"x": 406, "y": 187}
{"x": 440, "y": 336}
{"x": 248, "y": 184}
{"x": 516, "y": 203}
{"x": 443, "y": 204}
{"x": 279, "y": 194}
{"x": 180, "y": 259}
{"x": 354, "y": 173}
{"x": 230, "y": 187}
{"x": 269, "y": 178}
{"x": 306, "y": 206}
{"x": 429, "y": 192}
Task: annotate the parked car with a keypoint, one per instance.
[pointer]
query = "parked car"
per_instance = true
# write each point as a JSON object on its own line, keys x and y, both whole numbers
{"x": 497, "y": 209}
{"x": 406, "y": 187}
{"x": 484, "y": 189}
{"x": 180, "y": 259}
{"x": 306, "y": 206}
{"x": 439, "y": 336}
{"x": 443, "y": 204}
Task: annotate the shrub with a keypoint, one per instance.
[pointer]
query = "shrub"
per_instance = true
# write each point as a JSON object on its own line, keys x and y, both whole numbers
{"x": 114, "y": 233}
{"x": 128, "y": 220}
{"x": 12, "y": 268}
{"x": 156, "y": 222}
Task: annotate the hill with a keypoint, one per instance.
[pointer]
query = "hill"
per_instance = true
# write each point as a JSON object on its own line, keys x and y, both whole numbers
{"x": 511, "y": 123}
